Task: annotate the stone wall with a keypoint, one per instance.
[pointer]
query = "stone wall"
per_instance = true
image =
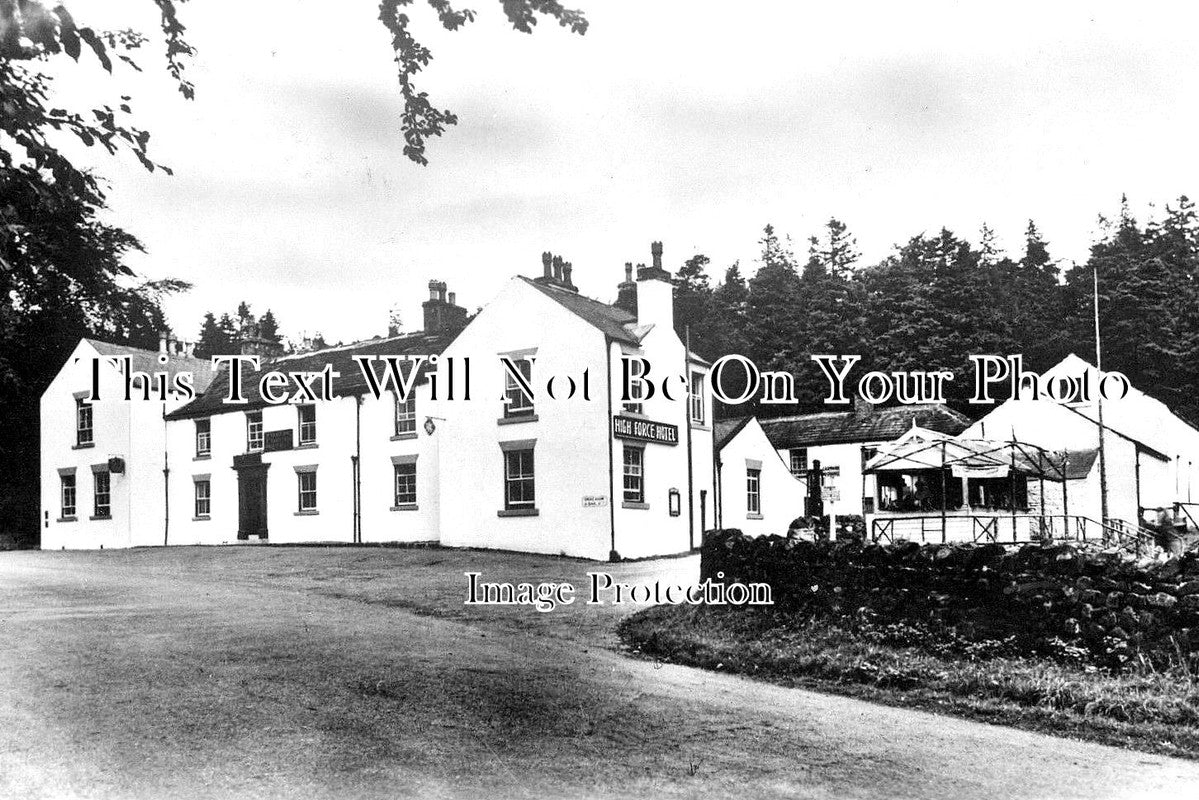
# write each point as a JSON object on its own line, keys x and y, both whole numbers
{"x": 1108, "y": 602}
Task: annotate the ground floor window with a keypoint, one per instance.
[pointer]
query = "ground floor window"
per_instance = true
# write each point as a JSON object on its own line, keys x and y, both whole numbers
{"x": 68, "y": 495}
{"x": 518, "y": 479}
{"x": 103, "y": 493}
{"x": 634, "y": 474}
{"x": 203, "y": 499}
{"x": 753, "y": 491}
{"x": 307, "y": 486}
{"x": 405, "y": 475}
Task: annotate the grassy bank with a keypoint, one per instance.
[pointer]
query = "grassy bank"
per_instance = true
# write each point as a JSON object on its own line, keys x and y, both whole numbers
{"x": 1142, "y": 707}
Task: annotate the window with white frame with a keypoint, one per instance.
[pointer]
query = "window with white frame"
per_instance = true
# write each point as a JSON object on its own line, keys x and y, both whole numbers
{"x": 753, "y": 491}
{"x": 307, "y": 417}
{"x": 634, "y": 474}
{"x": 102, "y": 485}
{"x": 254, "y": 432}
{"x": 203, "y": 498}
{"x": 306, "y": 481}
{"x": 203, "y": 438}
{"x": 406, "y": 414}
{"x": 519, "y": 404}
{"x": 636, "y": 389}
{"x": 405, "y": 477}
{"x": 84, "y": 431}
{"x": 698, "y": 411}
{"x": 799, "y": 461}
{"x": 518, "y": 479}
{"x": 67, "y": 483}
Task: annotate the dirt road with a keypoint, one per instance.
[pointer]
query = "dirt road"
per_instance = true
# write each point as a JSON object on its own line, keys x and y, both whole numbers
{"x": 272, "y": 672}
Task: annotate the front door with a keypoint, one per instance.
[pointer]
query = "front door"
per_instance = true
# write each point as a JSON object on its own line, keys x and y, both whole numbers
{"x": 251, "y": 501}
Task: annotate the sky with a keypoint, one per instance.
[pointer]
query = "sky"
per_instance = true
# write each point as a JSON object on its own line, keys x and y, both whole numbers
{"x": 693, "y": 123}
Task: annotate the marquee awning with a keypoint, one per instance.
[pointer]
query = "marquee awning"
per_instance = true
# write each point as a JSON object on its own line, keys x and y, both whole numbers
{"x": 976, "y": 458}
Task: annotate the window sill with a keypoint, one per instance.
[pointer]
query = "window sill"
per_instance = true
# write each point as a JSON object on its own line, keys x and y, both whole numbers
{"x": 406, "y": 507}
{"x": 67, "y": 519}
{"x": 700, "y": 426}
{"x": 628, "y": 412}
{"x": 83, "y": 446}
{"x": 754, "y": 516}
{"x": 517, "y": 512}
{"x": 201, "y": 519}
{"x": 516, "y": 418}
{"x": 202, "y": 457}
{"x": 308, "y": 512}
{"x": 99, "y": 517}
{"x": 307, "y": 446}
{"x": 404, "y": 437}
{"x": 640, "y": 506}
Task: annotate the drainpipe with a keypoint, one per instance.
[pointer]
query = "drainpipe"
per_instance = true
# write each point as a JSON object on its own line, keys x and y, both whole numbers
{"x": 612, "y": 554}
{"x": 166, "y": 482}
{"x": 356, "y": 471}
{"x": 687, "y": 419}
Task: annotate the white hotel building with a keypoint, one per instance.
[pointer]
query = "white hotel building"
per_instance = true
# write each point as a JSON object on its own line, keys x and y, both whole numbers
{"x": 590, "y": 476}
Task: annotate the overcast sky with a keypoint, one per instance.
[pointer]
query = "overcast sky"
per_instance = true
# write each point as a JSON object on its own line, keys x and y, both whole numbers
{"x": 690, "y": 122}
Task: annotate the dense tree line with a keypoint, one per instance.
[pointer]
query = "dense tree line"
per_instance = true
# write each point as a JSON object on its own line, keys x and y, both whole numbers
{"x": 939, "y": 298}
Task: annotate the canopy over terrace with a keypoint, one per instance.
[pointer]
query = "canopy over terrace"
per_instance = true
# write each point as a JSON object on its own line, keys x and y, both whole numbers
{"x": 975, "y": 458}
{"x": 970, "y": 479}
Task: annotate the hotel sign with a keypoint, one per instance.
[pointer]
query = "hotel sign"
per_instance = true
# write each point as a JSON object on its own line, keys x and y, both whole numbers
{"x": 644, "y": 430}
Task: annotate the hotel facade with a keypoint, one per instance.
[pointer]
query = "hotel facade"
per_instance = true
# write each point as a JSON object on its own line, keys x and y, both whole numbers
{"x": 458, "y": 451}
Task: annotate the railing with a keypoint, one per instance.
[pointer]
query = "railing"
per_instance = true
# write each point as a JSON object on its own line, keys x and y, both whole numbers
{"x": 1010, "y": 529}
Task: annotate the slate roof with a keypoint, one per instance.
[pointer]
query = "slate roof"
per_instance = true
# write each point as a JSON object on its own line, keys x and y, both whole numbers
{"x": 611, "y": 320}
{"x": 726, "y": 429}
{"x": 350, "y": 382}
{"x": 146, "y": 361}
{"x": 843, "y": 427}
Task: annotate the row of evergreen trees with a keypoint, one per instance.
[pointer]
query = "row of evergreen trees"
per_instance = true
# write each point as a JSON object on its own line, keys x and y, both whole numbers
{"x": 939, "y": 298}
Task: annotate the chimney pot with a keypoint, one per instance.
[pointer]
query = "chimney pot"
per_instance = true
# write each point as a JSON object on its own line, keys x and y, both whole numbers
{"x": 628, "y": 272}
{"x": 546, "y": 264}
{"x": 452, "y": 295}
{"x": 655, "y": 250}
{"x": 164, "y": 339}
{"x": 567, "y": 268}
{"x": 558, "y": 267}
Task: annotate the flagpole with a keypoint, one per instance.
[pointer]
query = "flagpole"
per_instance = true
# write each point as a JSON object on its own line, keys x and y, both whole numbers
{"x": 1099, "y": 398}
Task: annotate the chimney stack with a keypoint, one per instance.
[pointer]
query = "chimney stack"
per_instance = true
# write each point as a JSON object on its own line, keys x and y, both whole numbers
{"x": 442, "y": 314}
{"x": 556, "y": 271}
{"x": 655, "y": 292}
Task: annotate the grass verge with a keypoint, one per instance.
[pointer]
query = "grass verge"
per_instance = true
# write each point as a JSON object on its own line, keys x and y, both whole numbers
{"x": 1140, "y": 707}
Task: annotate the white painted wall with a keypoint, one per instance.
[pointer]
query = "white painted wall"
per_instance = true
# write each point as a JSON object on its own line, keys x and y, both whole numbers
{"x": 134, "y": 431}
{"x": 781, "y": 492}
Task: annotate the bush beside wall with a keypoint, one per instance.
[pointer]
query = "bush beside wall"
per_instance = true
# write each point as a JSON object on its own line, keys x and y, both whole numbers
{"x": 1049, "y": 597}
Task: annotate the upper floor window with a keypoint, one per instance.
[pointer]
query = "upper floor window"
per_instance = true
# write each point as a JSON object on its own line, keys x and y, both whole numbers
{"x": 84, "y": 433}
{"x": 102, "y": 483}
{"x": 406, "y": 414}
{"x": 697, "y": 398}
{"x": 753, "y": 491}
{"x": 203, "y": 437}
{"x": 868, "y": 453}
{"x": 520, "y": 403}
{"x": 254, "y": 432}
{"x": 68, "y": 495}
{"x": 307, "y": 416}
{"x": 636, "y": 393}
{"x": 799, "y": 461}
{"x": 634, "y": 474}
